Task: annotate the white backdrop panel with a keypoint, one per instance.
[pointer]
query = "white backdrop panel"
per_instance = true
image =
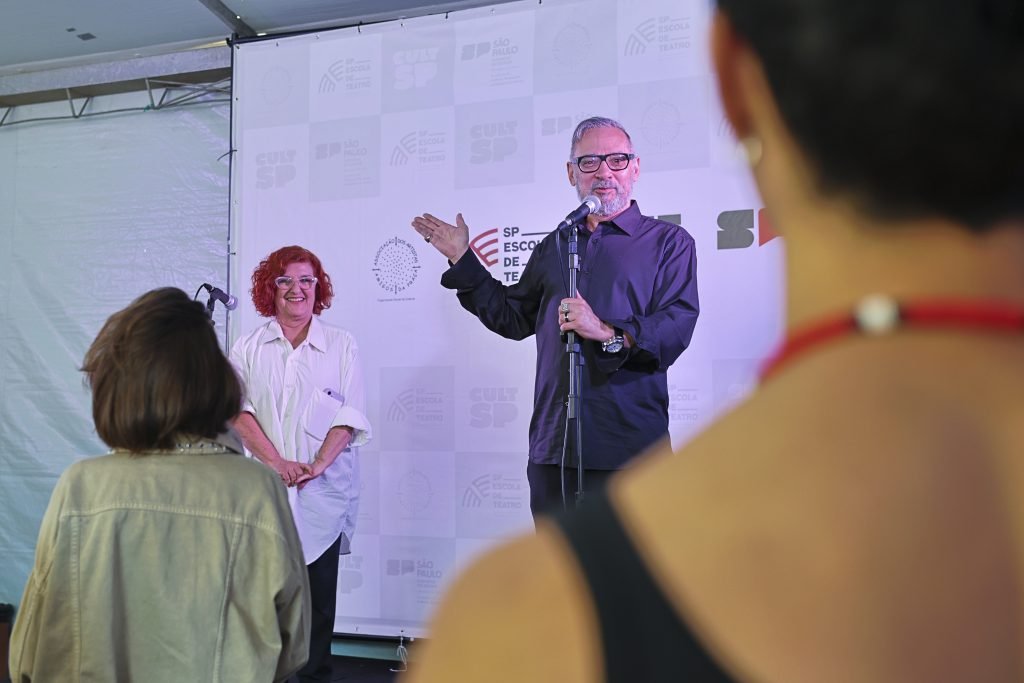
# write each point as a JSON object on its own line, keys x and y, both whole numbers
{"x": 344, "y": 136}
{"x": 93, "y": 212}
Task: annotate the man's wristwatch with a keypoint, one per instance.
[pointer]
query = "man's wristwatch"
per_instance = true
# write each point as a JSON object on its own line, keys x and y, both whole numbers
{"x": 615, "y": 344}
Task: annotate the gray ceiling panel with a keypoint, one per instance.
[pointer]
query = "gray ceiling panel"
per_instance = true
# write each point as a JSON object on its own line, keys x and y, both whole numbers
{"x": 35, "y": 34}
{"x": 39, "y": 31}
{"x": 270, "y": 16}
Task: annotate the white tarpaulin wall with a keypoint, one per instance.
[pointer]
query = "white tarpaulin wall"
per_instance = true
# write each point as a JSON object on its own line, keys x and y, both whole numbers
{"x": 343, "y": 136}
{"x": 93, "y": 212}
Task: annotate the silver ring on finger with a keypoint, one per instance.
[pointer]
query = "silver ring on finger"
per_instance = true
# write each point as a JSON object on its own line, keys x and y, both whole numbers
{"x": 428, "y": 238}
{"x": 564, "y": 307}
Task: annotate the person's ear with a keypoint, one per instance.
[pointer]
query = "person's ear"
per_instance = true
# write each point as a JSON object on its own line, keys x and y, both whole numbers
{"x": 730, "y": 55}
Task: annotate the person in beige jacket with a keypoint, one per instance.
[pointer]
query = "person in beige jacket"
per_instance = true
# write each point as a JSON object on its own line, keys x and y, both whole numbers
{"x": 173, "y": 557}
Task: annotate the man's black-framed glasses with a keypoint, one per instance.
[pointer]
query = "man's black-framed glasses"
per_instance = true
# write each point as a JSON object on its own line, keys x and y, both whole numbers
{"x": 616, "y": 161}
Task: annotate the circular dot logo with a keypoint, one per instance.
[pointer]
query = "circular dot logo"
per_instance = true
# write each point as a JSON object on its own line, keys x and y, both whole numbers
{"x": 414, "y": 492}
{"x": 661, "y": 123}
{"x": 572, "y": 46}
{"x": 396, "y": 265}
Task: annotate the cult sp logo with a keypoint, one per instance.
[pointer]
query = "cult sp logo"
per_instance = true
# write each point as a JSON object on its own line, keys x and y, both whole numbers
{"x": 493, "y": 142}
{"x": 736, "y": 229}
{"x": 275, "y": 169}
{"x": 492, "y": 406}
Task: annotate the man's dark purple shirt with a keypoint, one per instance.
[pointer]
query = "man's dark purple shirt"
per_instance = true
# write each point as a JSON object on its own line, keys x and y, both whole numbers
{"x": 638, "y": 274}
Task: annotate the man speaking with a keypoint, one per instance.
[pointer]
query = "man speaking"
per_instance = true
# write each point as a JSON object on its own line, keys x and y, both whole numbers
{"x": 634, "y": 313}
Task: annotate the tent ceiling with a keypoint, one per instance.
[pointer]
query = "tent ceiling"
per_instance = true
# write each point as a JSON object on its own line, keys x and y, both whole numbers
{"x": 59, "y": 33}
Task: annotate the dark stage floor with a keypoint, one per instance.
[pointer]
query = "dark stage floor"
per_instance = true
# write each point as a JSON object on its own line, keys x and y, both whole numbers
{"x": 358, "y": 670}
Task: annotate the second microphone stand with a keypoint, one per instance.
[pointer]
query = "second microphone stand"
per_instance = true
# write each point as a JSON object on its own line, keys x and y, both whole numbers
{"x": 573, "y": 401}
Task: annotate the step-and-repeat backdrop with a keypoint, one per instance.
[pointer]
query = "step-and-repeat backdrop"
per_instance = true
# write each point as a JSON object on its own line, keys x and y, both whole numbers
{"x": 342, "y": 137}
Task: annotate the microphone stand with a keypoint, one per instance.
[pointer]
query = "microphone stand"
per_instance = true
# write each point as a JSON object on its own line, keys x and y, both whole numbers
{"x": 573, "y": 400}
{"x": 209, "y": 304}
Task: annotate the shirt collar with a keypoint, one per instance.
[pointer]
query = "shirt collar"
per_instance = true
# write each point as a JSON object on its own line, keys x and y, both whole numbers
{"x": 272, "y": 332}
{"x": 629, "y": 220}
{"x": 315, "y": 336}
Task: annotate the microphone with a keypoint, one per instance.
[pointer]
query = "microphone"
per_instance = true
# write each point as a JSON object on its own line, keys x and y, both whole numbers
{"x": 230, "y": 302}
{"x": 591, "y": 204}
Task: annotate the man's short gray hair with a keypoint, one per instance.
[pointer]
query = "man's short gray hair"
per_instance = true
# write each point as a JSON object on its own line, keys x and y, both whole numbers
{"x": 592, "y": 123}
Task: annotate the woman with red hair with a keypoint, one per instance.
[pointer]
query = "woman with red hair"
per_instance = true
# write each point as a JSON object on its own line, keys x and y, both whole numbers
{"x": 304, "y": 416}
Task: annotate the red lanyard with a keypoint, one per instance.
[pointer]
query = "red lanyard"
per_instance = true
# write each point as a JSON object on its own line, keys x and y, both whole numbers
{"x": 878, "y": 315}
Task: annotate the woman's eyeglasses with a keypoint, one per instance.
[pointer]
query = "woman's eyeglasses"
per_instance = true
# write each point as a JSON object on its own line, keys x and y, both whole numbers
{"x": 285, "y": 281}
